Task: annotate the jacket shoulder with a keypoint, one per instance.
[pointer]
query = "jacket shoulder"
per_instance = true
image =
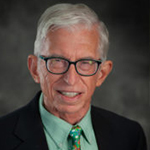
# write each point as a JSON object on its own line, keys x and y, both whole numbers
{"x": 8, "y": 122}
{"x": 10, "y": 119}
{"x": 119, "y": 128}
{"x": 17, "y": 126}
{"x": 113, "y": 118}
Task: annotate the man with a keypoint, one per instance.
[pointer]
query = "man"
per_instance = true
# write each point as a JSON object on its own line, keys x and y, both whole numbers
{"x": 69, "y": 62}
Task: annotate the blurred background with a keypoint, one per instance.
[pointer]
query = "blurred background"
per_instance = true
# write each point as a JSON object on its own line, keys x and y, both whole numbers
{"x": 125, "y": 91}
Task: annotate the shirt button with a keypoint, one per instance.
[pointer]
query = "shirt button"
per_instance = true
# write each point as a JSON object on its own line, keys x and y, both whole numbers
{"x": 60, "y": 145}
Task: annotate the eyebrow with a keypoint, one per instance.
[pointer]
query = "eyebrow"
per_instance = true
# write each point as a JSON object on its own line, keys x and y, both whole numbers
{"x": 61, "y": 56}
{"x": 56, "y": 55}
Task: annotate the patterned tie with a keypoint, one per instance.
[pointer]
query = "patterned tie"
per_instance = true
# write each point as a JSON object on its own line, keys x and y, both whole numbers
{"x": 75, "y": 135}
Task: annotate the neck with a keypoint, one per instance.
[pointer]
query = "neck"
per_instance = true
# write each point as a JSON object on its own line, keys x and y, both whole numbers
{"x": 71, "y": 118}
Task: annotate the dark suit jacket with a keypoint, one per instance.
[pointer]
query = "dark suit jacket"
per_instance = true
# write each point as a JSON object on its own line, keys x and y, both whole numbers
{"x": 23, "y": 130}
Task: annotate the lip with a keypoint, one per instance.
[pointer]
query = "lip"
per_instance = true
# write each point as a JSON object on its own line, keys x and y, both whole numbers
{"x": 68, "y": 98}
{"x": 70, "y": 94}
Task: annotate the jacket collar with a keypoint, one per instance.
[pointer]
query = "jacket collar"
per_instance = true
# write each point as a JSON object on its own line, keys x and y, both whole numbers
{"x": 102, "y": 128}
{"x": 29, "y": 127}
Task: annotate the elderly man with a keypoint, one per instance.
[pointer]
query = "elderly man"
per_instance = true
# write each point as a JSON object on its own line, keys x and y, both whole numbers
{"x": 69, "y": 62}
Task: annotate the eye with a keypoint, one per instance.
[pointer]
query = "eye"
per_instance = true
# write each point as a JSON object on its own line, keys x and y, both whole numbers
{"x": 86, "y": 65}
{"x": 56, "y": 60}
{"x": 57, "y": 63}
{"x": 87, "y": 62}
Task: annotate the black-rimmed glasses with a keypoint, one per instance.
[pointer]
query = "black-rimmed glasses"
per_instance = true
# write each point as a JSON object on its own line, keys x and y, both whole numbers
{"x": 59, "y": 65}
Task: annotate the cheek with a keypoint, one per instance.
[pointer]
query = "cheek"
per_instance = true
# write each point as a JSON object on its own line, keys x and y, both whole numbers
{"x": 90, "y": 83}
{"x": 48, "y": 82}
{"x": 91, "y": 88}
{"x": 45, "y": 82}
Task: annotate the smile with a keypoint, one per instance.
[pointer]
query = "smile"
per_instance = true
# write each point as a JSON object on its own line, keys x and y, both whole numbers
{"x": 69, "y": 94}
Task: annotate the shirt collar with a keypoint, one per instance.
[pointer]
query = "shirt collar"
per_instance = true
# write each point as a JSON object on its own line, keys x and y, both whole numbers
{"x": 86, "y": 125}
{"x": 59, "y": 129}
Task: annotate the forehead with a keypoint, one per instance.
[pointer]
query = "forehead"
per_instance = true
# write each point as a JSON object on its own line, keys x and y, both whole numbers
{"x": 67, "y": 42}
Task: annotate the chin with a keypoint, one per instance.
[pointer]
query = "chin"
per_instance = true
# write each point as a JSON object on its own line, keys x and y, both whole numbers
{"x": 70, "y": 110}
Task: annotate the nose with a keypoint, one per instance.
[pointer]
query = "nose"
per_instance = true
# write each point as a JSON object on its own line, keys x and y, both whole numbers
{"x": 71, "y": 76}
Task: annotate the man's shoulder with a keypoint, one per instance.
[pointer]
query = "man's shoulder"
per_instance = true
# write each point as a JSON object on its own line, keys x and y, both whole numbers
{"x": 113, "y": 127}
{"x": 9, "y": 121}
{"x": 115, "y": 122}
{"x": 23, "y": 128}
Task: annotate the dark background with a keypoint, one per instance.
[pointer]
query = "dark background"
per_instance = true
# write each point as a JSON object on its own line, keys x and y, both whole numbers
{"x": 125, "y": 91}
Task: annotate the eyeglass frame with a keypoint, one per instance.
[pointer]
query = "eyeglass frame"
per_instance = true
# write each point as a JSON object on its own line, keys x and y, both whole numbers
{"x": 69, "y": 63}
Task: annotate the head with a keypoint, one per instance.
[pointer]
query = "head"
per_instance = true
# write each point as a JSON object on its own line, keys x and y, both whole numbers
{"x": 68, "y": 16}
{"x": 72, "y": 32}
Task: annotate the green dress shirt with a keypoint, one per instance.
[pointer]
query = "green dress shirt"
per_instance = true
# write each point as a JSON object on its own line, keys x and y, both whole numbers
{"x": 57, "y": 131}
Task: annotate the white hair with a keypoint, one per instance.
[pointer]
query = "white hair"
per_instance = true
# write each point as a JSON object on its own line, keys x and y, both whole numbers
{"x": 68, "y": 16}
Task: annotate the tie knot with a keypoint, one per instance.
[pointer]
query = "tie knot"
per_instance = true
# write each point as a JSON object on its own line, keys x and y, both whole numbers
{"x": 76, "y": 132}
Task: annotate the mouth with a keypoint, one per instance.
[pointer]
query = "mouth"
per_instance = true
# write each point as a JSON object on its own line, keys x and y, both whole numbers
{"x": 69, "y": 94}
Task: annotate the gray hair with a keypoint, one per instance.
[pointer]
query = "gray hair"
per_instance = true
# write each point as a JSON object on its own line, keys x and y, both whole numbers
{"x": 69, "y": 15}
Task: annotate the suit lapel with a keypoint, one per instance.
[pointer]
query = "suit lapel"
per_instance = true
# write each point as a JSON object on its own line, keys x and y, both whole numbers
{"x": 102, "y": 130}
{"x": 29, "y": 128}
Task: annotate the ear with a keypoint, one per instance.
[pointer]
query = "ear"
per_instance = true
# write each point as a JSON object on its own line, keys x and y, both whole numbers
{"x": 33, "y": 68}
{"x": 104, "y": 71}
